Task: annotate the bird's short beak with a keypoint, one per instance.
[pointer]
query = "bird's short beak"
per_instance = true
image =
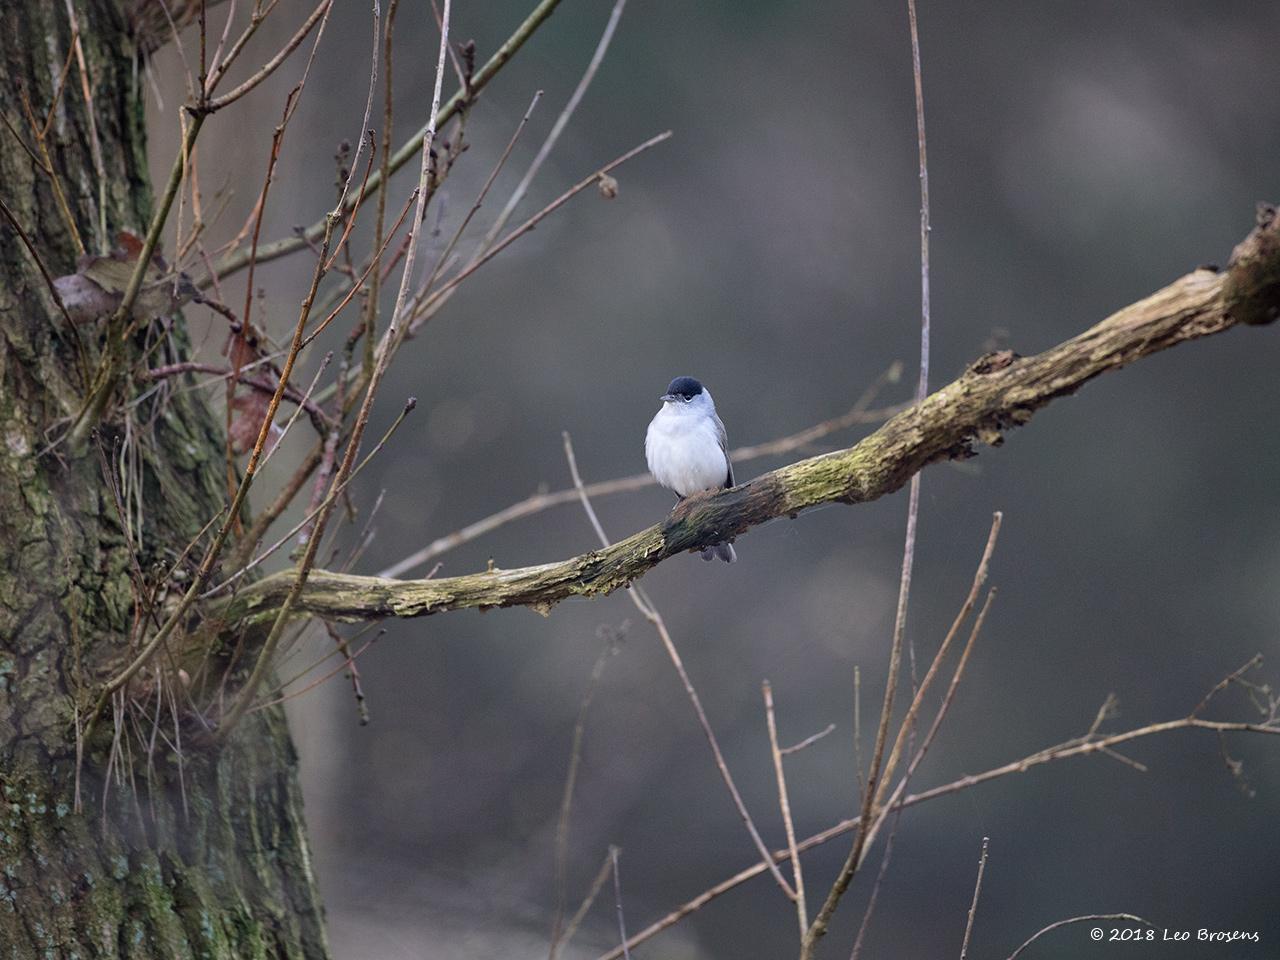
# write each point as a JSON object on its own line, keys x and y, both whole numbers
{"x": 668, "y": 397}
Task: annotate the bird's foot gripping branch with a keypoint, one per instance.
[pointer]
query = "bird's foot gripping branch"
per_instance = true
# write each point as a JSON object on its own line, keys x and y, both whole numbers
{"x": 996, "y": 393}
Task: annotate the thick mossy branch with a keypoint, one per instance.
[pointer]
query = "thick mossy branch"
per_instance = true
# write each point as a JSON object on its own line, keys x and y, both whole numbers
{"x": 998, "y": 391}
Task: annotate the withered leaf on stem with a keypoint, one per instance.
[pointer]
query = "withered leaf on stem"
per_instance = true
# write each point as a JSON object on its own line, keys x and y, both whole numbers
{"x": 98, "y": 284}
{"x": 248, "y": 411}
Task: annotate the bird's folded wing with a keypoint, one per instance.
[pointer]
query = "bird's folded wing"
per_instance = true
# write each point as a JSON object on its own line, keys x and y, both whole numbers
{"x": 723, "y": 437}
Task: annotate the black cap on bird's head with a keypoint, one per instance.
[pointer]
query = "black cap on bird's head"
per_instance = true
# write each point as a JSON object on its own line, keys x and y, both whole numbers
{"x": 682, "y": 389}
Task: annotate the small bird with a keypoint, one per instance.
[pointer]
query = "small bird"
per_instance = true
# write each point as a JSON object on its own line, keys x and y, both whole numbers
{"x": 686, "y": 448}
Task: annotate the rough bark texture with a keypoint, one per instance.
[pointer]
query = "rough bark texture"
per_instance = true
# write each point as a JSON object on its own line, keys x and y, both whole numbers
{"x": 203, "y": 858}
{"x": 999, "y": 391}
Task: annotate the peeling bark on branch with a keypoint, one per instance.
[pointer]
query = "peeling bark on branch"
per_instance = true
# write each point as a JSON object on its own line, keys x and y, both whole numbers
{"x": 999, "y": 391}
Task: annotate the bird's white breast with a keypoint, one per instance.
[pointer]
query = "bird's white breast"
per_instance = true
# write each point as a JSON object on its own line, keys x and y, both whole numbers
{"x": 683, "y": 451}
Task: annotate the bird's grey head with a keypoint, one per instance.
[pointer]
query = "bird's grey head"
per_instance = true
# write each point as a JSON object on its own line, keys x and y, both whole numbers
{"x": 686, "y": 391}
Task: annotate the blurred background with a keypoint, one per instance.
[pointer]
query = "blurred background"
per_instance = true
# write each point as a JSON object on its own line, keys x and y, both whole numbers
{"x": 1081, "y": 156}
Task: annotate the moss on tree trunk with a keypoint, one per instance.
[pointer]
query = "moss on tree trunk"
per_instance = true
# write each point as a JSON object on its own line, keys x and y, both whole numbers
{"x": 205, "y": 856}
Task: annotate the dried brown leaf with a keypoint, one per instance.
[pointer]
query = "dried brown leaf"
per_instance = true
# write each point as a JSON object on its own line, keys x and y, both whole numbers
{"x": 248, "y": 410}
{"x": 98, "y": 284}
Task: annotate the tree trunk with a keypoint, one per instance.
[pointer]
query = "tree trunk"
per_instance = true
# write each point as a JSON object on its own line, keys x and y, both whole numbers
{"x": 173, "y": 853}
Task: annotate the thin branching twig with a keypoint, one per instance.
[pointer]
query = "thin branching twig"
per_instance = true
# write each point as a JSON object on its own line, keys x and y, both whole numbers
{"x": 650, "y": 613}
{"x": 1068, "y": 750}
{"x": 263, "y": 663}
{"x": 979, "y": 578}
{"x": 408, "y": 150}
{"x": 570, "y": 782}
{"x": 557, "y": 128}
{"x": 784, "y": 807}
{"x": 432, "y": 303}
{"x": 575, "y": 921}
{"x": 205, "y": 570}
{"x": 39, "y": 262}
{"x": 841, "y": 884}
{"x": 892, "y": 805}
{"x": 214, "y": 104}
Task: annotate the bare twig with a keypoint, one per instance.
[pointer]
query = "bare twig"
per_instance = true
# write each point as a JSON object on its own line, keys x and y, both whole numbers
{"x": 44, "y": 162}
{"x": 973, "y": 907}
{"x": 841, "y": 884}
{"x": 575, "y": 921}
{"x": 857, "y": 728}
{"x": 384, "y": 171}
{"x": 306, "y": 397}
{"x": 35, "y": 157}
{"x": 260, "y": 209}
{"x": 291, "y": 394}
{"x": 943, "y": 708}
{"x": 40, "y": 265}
{"x": 56, "y": 99}
{"x": 1048, "y": 755}
{"x": 458, "y": 70}
{"x": 339, "y": 641}
{"x": 617, "y": 899}
{"x": 113, "y": 356}
{"x": 924, "y": 203}
{"x": 821, "y": 922}
{"x": 430, "y": 304}
{"x": 650, "y": 613}
{"x": 218, "y": 68}
{"x": 408, "y": 408}
{"x": 480, "y": 198}
{"x": 874, "y": 775}
{"x": 979, "y": 578}
{"x": 570, "y": 782}
{"x": 784, "y": 805}
{"x": 358, "y": 283}
{"x": 176, "y": 33}
{"x": 263, "y": 662}
{"x": 908, "y": 724}
{"x": 1062, "y": 923}
{"x": 233, "y": 512}
{"x": 95, "y": 145}
{"x": 222, "y": 41}
{"x": 324, "y": 658}
{"x": 1226, "y": 681}
{"x": 367, "y": 533}
{"x": 412, "y": 147}
{"x": 874, "y": 898}
{"x": 557, "y": 128}
{"x": 245, "y": 332}
{"x": 349, "y": 663}
{"x": 217, "y": 103}
{"x": 808, "y": 741}
{"x": 279, "y": 504}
